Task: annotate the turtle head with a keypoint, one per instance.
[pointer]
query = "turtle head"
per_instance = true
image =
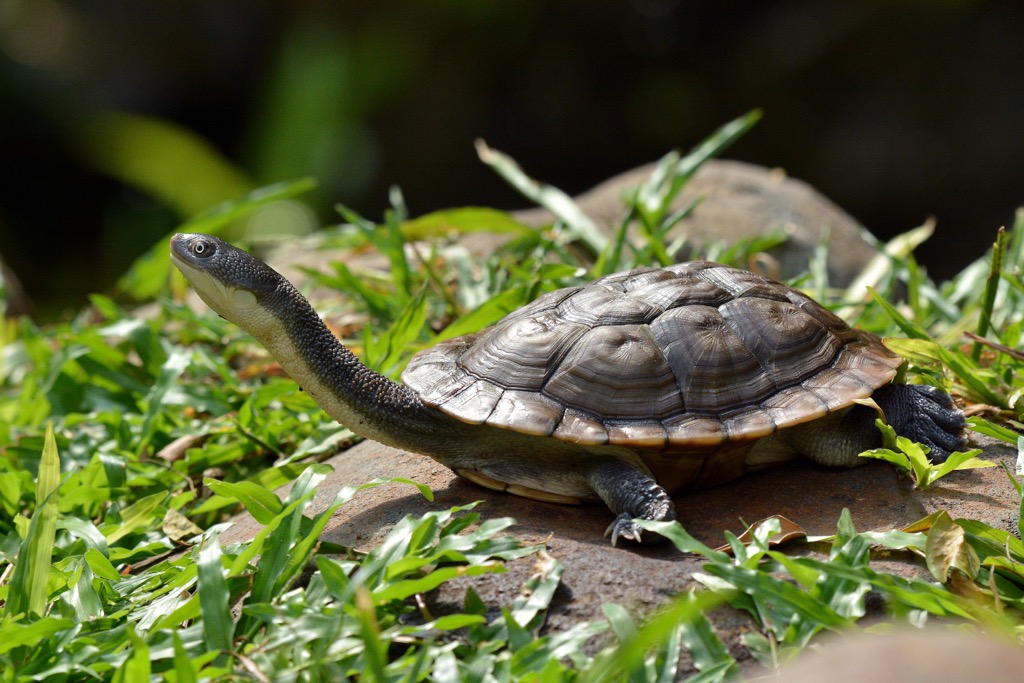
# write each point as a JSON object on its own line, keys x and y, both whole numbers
{"x": 232, "y": 282}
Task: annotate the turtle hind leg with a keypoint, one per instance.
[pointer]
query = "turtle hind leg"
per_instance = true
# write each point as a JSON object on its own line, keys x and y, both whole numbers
{"x": 924, "y": 414}
{"x": 631, "y": 494}
{"x": 921, "y": 413}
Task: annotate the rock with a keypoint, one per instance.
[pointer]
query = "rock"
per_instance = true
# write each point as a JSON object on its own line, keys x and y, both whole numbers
{"x": 739, "y": 201}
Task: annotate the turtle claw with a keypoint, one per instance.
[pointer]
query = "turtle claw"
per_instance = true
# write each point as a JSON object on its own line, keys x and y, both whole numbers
{"x": 623, "y": 527}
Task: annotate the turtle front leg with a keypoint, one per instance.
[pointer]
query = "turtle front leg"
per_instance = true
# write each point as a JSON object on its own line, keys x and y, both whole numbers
{"x": 631, "y": 494}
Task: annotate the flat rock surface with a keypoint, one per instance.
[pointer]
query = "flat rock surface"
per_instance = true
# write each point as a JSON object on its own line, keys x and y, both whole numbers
{"x": 643, "y": 577}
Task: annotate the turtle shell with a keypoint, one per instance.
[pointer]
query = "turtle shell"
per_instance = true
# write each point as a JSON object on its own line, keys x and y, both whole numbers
{"x": 682, "y": 358}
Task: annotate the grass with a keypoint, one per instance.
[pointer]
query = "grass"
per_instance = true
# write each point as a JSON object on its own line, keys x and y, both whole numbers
{"x": 126, "y": 442}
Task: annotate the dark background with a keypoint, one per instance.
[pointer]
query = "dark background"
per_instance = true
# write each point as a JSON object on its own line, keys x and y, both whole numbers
{"x": 896, "y": 111}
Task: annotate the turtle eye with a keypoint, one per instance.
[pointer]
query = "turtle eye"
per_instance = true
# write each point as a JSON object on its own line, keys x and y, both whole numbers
{"x": 202, "y": 248}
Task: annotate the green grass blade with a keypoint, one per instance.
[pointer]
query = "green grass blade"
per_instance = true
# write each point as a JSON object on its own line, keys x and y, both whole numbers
{"x": 967, "y": 372}
{"x": 991, "y": 288}
{"x": 686, "y": 543}
{"x": 551, "y": 198}
{"x": 137, "y": 516}
{"x": 538, "y": 590}
{"x": 708, "y": 651}
{"x": 183, "y": 668}
{"x": 214, "y": 598}
{"x": 345, "y": 281}
{"x": 137, "y": 666}
{"x": 374, "y": 648}
{"x": 487, "y": 313}
{"x": 392, "y": 243}
{"x": 714, "y": 144}
{"x": 922, "y": 350}
{"x": 983, "y": 426}
{"x": 626, "y": 631}
{"x": 1019, "y": 470}
{"x": 27, "y": 591}
{"x": 392, "y": 348}
{"x": 909, "y": 328}
{"x": 465, "y": 220}
{"x": 783, "y": 599}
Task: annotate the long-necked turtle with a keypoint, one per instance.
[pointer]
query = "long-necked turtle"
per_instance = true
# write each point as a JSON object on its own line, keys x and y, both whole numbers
{"x": 623, "y": 389}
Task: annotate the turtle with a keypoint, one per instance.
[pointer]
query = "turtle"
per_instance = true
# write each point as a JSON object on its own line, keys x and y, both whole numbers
{"x": 627, "y": 389}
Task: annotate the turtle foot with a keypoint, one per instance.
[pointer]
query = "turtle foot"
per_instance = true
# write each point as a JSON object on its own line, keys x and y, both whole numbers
{"x": 623, "y": 527}
{"x": 924, "y": 414}
{"x": 631, "y": 494}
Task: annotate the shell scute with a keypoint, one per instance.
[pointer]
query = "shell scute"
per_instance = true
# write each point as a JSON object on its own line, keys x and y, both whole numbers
{"x": 638, "y": 434}
{"x": 605, "y": 306}
{"x": 713, "y": 368}
{"x": 601, "y": 370}
{"x": 474, "y": 403}
{"x": 523, "y": 352}
{"x": 531, "y": 412}
{"x": 789, "y": 343}
{"x": 581, "y": 427}
{"x": 742, "y": 283}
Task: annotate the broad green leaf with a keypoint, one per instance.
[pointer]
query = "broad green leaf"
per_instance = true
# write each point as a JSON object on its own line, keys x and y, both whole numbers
{"x": 919, "y": 463}
{"x": 896, "y": 539}
{"x": 900, "y": 460}
{"x": 919, "y": 351}
{"x": 967, "y": 460}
